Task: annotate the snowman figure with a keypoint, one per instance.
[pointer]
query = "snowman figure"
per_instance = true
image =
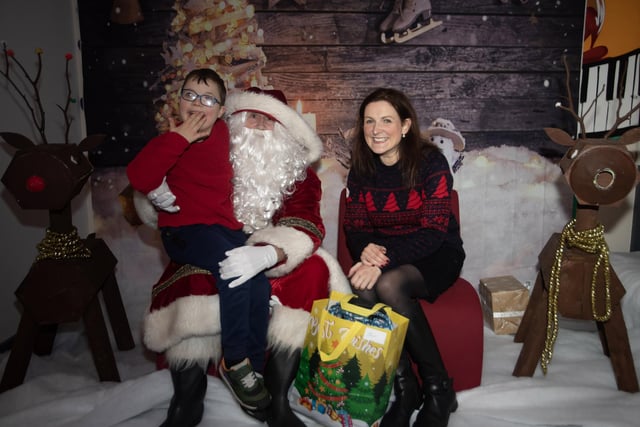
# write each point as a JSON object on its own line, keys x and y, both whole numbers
{"x": 443, "y": 133}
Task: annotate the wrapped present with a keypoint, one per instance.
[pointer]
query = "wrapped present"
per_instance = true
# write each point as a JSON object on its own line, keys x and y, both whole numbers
{"x": 504, "y": 300}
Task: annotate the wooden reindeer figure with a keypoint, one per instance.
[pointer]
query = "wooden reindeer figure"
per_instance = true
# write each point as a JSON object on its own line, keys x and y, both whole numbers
{"x": 63, "y": 282}
{"x": 575, "y": 278}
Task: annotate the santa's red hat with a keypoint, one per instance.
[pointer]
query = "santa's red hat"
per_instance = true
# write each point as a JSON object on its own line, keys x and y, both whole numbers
{"x": 273, "y": 104}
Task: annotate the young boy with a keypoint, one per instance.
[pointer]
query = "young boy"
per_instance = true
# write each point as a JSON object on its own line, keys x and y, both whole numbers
{"x": 194, "y": 158}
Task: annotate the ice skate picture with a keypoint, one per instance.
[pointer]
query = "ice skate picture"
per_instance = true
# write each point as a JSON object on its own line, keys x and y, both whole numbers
{"x": 407, "y": 20}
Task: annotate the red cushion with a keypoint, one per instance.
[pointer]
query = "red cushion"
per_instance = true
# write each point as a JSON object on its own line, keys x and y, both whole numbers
{"x": 456, "y": 321}
{"x": 455, "y": 317}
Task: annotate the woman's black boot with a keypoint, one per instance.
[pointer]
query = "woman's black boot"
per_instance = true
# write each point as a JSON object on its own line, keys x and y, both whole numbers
{"x": 437, "y": 387}
{"x": 279, "y": 374}
{"x": 439, "y": 402}
{"x": 187, "y": 403}
{"x": 408, "y": 396}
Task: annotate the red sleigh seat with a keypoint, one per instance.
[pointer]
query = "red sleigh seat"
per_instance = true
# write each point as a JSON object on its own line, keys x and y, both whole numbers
{"x": 455, "y": 317}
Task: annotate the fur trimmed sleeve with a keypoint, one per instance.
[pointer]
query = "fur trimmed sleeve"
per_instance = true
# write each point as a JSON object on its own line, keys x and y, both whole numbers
{"x": 296, "y": 245}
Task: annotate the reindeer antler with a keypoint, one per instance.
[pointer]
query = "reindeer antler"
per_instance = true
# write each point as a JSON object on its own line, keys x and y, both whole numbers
{"x": 580, "y": 119}
{"x": 622, "y": 119}
{"x": 571, "y": 108}
{"x": 33, "y": 90}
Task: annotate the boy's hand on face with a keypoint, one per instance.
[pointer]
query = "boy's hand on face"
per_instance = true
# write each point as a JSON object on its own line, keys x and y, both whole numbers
{"x": 190, "y": 129}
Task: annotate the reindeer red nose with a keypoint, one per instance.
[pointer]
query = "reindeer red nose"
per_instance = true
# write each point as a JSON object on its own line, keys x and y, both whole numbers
{"x": 35, "y": 184}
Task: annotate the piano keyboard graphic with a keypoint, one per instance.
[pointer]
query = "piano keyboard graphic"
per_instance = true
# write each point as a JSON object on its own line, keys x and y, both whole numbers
{"x": 604, "y": 86}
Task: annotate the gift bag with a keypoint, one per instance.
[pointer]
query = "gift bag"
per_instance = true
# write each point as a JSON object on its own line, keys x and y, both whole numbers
{"x": 348, "y": 362}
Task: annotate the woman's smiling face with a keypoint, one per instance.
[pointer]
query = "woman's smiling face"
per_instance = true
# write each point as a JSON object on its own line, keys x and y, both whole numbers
{"x": 384, "y": 130}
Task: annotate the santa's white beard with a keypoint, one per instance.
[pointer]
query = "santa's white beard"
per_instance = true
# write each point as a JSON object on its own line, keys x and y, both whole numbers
{"x": 266, "y": 166}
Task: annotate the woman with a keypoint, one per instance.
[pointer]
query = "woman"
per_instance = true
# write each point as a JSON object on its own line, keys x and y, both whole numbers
{"x": 400, "y": 227}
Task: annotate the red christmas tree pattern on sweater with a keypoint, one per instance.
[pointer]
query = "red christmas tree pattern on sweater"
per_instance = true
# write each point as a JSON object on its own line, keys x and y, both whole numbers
{"x": 392, "y": 204}
{"x": 414, "y": 202}
{"x": 441, "y": 191}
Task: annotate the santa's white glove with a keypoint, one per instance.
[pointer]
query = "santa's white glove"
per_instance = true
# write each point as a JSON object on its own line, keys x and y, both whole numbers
{"x": 247, "y": 261}
{"x": 163, "y": 199}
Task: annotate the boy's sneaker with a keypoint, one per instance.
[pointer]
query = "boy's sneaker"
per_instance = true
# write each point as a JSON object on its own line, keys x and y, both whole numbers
{"x": 246, "y": 385}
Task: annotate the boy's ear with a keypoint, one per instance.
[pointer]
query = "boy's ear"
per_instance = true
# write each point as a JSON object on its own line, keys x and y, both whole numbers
{"x": 221, "y": 112}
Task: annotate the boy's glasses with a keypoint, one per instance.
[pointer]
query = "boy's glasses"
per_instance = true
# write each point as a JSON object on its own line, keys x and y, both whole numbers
{"x": 206, "y": 100}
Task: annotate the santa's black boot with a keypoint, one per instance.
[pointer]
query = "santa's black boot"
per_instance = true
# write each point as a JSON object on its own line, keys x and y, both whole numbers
{"x": 187, "y": 403}
{"x": 438, "y": 394}
{"x": 279, "y": 374}
{"x": 408, "y": 396}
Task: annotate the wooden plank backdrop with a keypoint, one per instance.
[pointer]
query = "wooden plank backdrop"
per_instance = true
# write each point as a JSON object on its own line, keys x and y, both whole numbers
{"x": 494, "y": 69}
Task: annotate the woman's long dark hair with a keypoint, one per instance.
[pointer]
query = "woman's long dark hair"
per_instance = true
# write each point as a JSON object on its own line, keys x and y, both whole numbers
{"x": 412, "y": 147}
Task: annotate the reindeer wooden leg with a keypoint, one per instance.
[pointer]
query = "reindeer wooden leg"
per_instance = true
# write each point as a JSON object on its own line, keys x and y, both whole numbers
{"x": 45, "y": 339}
{"x": 99, "y": 344}
{"x": 532, "y": 331}
{"x": 117, "y": 314}
{"x": 616, "y": 341}
{"x": 21, "y": 351}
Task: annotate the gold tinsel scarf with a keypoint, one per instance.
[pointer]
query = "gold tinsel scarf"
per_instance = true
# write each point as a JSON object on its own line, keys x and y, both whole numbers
{"x": 590, "y": 241}
{"x": 62, "y": 246}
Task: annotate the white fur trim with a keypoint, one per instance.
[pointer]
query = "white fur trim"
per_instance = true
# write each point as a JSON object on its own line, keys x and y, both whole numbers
{"x": 188, "y": 331}
{"x": 200, "y": 350}
{"x": 337, "y": 280}
{"x": 145, "y": 210}
{"x": 287, "y": 328}
{"x": 287, "y": 116}
{"x": 297, "y": 246}
{"x": 186, "y": 317}
{"x": 174, "y": 331}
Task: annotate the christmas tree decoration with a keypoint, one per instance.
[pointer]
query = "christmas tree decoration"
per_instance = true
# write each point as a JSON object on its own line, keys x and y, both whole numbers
{"x": 221, "y": 35}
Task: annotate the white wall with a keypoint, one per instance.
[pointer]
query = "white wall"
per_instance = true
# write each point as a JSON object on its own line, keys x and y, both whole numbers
{"x": 51, "y": 25}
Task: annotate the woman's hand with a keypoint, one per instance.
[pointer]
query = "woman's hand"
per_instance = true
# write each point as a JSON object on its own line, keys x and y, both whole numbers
{"x": 364, "y": 277}
{"x": 374, "y": 255}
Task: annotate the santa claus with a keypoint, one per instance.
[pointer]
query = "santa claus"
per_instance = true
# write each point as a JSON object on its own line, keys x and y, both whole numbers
{"x": 277, "y": 197}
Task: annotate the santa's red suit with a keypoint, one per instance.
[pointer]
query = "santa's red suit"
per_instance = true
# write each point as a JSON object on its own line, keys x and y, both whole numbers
{"x": 183, "y": 323}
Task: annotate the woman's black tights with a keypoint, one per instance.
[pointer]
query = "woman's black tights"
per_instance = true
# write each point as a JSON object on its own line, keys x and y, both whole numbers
{"x": 397, "y": 288}
{"x": 400, "y": 289}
